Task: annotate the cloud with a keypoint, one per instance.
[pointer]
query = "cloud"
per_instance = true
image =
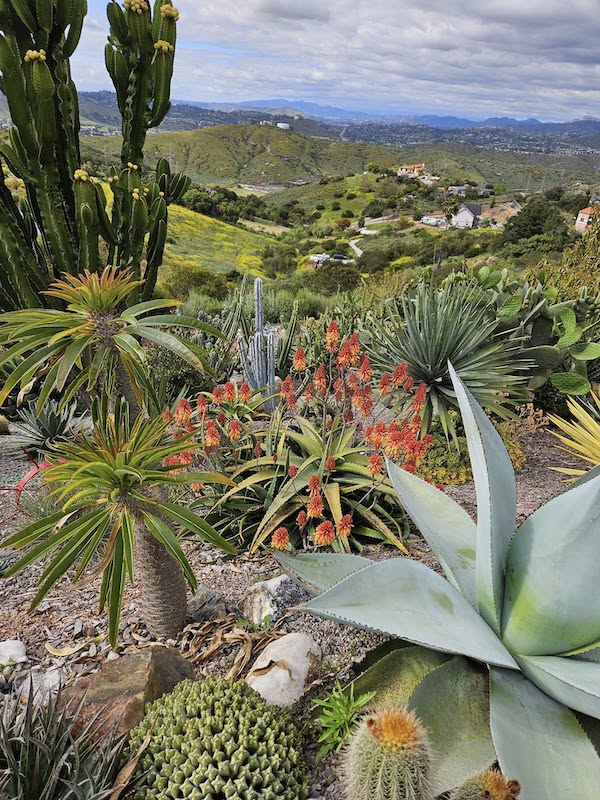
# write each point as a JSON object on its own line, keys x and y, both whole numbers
{"x": 537, "y": 58}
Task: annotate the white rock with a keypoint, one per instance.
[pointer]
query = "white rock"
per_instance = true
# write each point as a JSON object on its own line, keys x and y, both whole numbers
{"x": 271, "y": 599}
{"x": 279, "y": 673}
{"x": 42, "y": 684}
{"x": 12, "y": 651}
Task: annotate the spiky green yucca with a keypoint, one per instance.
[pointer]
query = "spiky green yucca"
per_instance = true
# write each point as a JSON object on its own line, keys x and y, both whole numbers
{"x": 488, "y": 785}
{"x": 217, "y": 739}
{"x": 389, "y": 758}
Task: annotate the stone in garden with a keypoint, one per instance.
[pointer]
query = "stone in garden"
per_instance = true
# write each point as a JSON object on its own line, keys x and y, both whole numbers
{"x": 12, "y": 651}
{"x": 271, "y": 599}
{"x": 280, "y": 672}
{"x": 120, "y": 689}
{"x": 205, "y": 605}
{"x": 40, "y": 686}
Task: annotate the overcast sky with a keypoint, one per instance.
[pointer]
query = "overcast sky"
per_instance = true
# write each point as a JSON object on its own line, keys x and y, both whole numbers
{"x": 523, "y": 58}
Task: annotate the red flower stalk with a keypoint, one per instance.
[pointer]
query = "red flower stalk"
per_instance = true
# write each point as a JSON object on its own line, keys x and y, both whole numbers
{"x": 202, "y": 405}
{"x": 299, "y": 362}
{"x": 315, "y": 507}
{"x": 222, "y": 419}
{"x": 384, "y": 384}
{"x": 291, "y": 400}
{"x": 292, "y": 471}
{"x": 287, "y": 387}
{"x": 314, "y": 485}
{"x": 399, "y": 375}
{"x": 324, "y": 533}
{"x": 332, "y": 337}
{"x": 320, "y": 380}
{"x": 229, "y": 392}
{"x": 375, "y": 464}
{"x": 408, "y": 384}
{"x": 364, "y": 369}
{"x": 344, "y": 526}
{"x": 301, "y": 520}
{"x": 235, "y": 429}
{"x": 217, "y": 396}
{"x": 330, "y": 464}
{"x": 183, "y": 412}
{"x": 280, "y": 539}
{"x": 245, "y": 392}
{"x": 257, "y": 450}
{"x": 167, "y": 416}
{"x": 212, "y": 437}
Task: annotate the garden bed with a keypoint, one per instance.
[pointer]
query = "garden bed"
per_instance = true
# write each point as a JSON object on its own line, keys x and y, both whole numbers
{"x": 67, "y": 631}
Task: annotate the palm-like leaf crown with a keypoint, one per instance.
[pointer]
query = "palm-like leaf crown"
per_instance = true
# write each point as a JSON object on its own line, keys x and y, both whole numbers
{"x": 85, "y": 346}
{"x": 107, "y": 481}
{"x": 453, "y": 324}
{"x": 582, "y": 436}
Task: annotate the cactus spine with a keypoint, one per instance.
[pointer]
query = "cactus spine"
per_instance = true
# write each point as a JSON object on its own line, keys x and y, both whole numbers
{"x": 389, "y": 758}
{"x": 57, "y": 229}
{"x": 258, "y": 355}
{"x": 488, "y": 785}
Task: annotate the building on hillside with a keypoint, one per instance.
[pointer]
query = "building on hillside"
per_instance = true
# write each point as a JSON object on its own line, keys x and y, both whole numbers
{"x": 459, "y": 191}
{"x": 410, "y": 170}
{"x": 584, "y": 219}
{"x": 433, "y": 221}
{"x": 283, "y": 125}
{"x": 467, "y": 216}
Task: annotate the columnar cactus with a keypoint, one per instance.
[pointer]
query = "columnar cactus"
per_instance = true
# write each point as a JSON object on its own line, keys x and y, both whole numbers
{"x": 217, "y": 739}
{"x": 56, "y": 230}
{"x": 488, "y": 785}
{"x": 389, "y": 758}
{"x": 258, "y": 356}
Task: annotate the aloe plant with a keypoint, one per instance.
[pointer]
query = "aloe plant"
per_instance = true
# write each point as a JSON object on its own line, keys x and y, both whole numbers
{"x": 522, "y": 607}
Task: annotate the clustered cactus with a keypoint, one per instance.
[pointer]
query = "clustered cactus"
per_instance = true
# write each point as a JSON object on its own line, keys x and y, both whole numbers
{"x": 216, "y": 738}
{"x": 488, "y": 785}
{"x": 389, "y": 758}
{"x": 258, "y": 357}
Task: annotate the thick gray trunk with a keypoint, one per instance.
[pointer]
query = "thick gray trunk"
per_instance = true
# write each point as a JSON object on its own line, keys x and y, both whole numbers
{"x": 164, "y": 591}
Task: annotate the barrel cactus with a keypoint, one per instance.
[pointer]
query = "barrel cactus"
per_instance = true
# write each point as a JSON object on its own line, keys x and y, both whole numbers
{"x": 488, "y": 785}
{"x": 216, "y": 738}
{"x": 389, "y": 758}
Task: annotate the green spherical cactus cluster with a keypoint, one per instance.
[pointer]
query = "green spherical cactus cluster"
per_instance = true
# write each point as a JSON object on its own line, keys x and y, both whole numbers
{"x": 488, "y": 785}
{"x": 389, "y": 758}
{"x": 216, "y": 738}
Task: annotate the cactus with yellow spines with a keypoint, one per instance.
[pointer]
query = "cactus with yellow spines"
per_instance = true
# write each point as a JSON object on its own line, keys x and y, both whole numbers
{"x": 488, "y": 785}
{"x": 58, "y": 229}
{"x": 389, "y": 758}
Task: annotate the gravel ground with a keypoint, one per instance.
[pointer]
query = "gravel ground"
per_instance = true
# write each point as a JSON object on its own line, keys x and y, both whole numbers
{"x": 69, "y": 618}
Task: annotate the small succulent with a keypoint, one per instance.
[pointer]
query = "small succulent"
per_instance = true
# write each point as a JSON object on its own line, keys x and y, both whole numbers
{"x": 488, "y": 785}
{"x": 42, "y": 756}
{"x": 36, "y": 432}
{"x": 216, "y": 738}
{"x": 389, "y": 758}
{"x": 339, "y": 717}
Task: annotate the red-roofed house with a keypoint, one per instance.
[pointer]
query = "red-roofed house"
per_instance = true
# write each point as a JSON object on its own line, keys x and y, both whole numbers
{"x": 584, "y": 219}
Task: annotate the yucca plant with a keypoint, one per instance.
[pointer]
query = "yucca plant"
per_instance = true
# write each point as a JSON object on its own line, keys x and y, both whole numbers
{"x": 455, "y": 323}
{"x": 114, "y": 519}
{"x": 522, "y": 608}
{"x": 43, "y": 756}
{"x": 36, "y": 432}
{"x": 582, "y": 437}
{"x": 94, "y": 345}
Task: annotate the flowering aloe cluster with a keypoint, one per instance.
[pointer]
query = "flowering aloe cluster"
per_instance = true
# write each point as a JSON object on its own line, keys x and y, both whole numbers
{"x": 311, "y": 473}
{"x": 217, "y": 738}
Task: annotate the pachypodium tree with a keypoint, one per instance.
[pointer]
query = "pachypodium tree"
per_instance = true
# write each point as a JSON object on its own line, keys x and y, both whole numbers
{"x": 62, "y": 225}
{"x": 504, "y": 663}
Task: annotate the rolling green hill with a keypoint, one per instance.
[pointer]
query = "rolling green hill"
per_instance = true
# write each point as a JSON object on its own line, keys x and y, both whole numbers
{"x": 196, "y": 241}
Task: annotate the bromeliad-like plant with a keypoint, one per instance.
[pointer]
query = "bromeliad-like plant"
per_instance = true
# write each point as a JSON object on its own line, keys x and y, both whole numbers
{"x": 115, "y": 520}
{"x": 455, "y": 323}
{"x": 523, "y": 605}
{"x": 93, "y": 345}
{"x": 582, "y": 437}
{"x": 36, "y": 432}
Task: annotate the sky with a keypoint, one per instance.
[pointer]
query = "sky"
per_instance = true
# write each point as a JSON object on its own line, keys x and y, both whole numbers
{"x": 520, "y": 58}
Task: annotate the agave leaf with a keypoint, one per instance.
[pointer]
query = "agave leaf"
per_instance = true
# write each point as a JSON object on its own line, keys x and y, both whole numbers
{"x": 453, "y": 703}
{"x": 317, "y": 572}
{"x": 406, "y": 599}
{"x": 448, "y": 529}
{"x": 496, "y": 502}
{"x": 570, "y": 681}
{"x": 540, "y": 742}
{"x": 552, "y": 604}
{"x": 396, "y": 676}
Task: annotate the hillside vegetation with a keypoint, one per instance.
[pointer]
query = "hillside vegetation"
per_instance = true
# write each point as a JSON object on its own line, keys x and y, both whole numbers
{"x": 231, "y": 154}
{"x": 197, "y": 241}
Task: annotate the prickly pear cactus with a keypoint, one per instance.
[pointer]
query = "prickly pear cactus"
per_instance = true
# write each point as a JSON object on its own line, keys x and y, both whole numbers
{"x": 488, "y": 785}
{"x": 216, "y": 738}
{"x": 389, "y": 758}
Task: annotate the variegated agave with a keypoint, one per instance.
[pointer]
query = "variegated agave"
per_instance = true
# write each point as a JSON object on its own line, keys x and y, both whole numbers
{"x": 505, "y": 662}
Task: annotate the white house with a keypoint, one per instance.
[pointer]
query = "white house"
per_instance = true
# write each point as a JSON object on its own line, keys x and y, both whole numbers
{"x": 467, "y": 216}
{"x": 283, "y": 125}
{"x": 584, "y": 219}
